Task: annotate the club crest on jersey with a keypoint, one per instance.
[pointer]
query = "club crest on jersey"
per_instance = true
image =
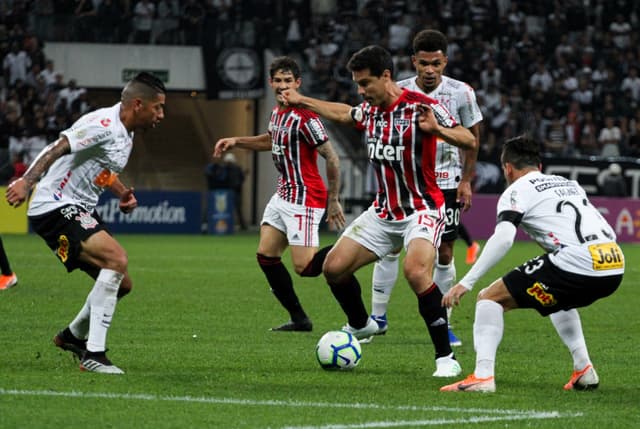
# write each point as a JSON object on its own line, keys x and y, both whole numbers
{"x": 63, "y": 248}
{"x": 401, "y": 125}
{"x": 105, "y": 122}
{"x": 539, "y": 292}
{"x": 86, "y": 220}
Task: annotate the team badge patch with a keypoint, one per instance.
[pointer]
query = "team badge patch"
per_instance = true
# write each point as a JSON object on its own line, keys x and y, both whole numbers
{"x": 401, "y": 125}
{"x": 62, "y": 251}
{"x": 538, "y": 291}
{"x": 86, "y": 220}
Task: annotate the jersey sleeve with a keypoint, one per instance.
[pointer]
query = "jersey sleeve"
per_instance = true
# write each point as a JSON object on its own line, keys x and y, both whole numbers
{"x": 442, "y": 114}
{"x": 512, "y": 205}
{"x": 469, "y": 111}
{"x": 88, "y": 132}
{"x": 358, "y": 116}
{"x": 314, "y": 131}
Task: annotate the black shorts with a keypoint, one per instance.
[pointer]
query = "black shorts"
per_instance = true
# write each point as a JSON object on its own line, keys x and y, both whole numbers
{"x": 452, "y": 215}
{"x": 541, "y": 285}
{"x": 64, "y": 229}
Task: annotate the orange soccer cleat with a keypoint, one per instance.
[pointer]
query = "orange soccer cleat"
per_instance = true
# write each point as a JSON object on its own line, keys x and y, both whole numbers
{"x": 472, "y": 384}
{"x": 472, "y": 253}
{"x": 9, "y": 281}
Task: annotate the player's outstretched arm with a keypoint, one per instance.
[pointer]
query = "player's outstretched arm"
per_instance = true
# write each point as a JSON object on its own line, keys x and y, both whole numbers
{"x": 337, "y": 112}
{"x": 259, "y": 143}
{"x": 18, "y": 190}
{"x": 494, "y": 250}
{"x": 335, "y": 214}
{"x": 128, "y": 201}
{"x": 458, "y": 136}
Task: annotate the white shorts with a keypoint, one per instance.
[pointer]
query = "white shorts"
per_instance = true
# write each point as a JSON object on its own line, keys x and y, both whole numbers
{"x": 382, "y": 236}
{"x": 299, "y": 223}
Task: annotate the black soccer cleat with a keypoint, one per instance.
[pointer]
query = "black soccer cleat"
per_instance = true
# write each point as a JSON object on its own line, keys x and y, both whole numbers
{"x": 66, "y": 341}
{"x": 303, "y": 325}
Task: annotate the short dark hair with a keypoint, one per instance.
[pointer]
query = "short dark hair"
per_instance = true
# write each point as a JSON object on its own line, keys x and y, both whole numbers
{"x": 286, "y": 64}
{"x": 373, "y": 57}
{"x": 521, "y": 151}
{"x": 151, "y": 81}
{"x": 144, "y": 86}
{"x": 430, "y": 41}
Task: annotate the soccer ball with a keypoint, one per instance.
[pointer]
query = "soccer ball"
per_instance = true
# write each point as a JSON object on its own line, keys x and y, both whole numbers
{"x": 338, "y": 350}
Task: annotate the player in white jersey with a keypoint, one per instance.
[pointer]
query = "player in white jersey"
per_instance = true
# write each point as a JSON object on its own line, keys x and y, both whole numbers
{"x": 454, "y": 171}
{"x": 72, "y": 173}
{"x": 582, "y": 263}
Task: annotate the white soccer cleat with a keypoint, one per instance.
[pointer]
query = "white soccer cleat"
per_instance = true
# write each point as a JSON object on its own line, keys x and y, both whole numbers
{"x": 98, "y": 362}
{"x": 472, "y": 384}
{"x": 586, "y": 379}
{"x": 383, "y": 325}
{"x": 368, "y": 330}
{"x": 447, "y": 366}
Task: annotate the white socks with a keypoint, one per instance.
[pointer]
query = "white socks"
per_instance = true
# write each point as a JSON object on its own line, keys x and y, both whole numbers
{"x": 445, "y": 276}
{"x": 568, "y": 326}
{"x": 97, "y": 312}
{"x": 385, "y": 275}
{"x": 487, "y": 334}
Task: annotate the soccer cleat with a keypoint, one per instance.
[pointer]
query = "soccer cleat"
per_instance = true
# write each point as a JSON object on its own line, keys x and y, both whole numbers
{"x": 7, "y": 282}
{"x": 383, "y": 325}
{"x": 370, "y": 329}
{"x": 98, "y": 362}
{"x": 66, "y": 341}
{"x": 586, "y": 379}
{"x": 447, "y": 366}
{"x": 472, "y": 253}
{"x": 472, "y": 384}
{"x": 453, "y": 340}
{"x": 303, "y": 325}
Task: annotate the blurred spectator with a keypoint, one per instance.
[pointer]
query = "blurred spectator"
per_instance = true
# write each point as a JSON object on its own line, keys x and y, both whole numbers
{"x": 84, "y": 23}
{"x": 632, "y": 82}
{"x": 609, "y": 138}
{"x": 589, "y": 136}
{"x": 556, "y": 139}
{"x": 621, "y": 31}
{"x": 490, "y": 74}
{"x": 48, "y": 73}
{"x": 108, "y": 20}
{"x": 69, "y": 94}
{"x": 143, "y": 14}
{"x": 15, "y": 64}
{"x": 167, "y": 23}
{"x": 541, "y": 79}
{"x": 192, "y": 17}
{"x": 611, "y": 182}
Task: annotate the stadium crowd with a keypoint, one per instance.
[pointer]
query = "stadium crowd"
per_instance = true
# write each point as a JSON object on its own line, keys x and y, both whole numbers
{"x": 566, "y": 72}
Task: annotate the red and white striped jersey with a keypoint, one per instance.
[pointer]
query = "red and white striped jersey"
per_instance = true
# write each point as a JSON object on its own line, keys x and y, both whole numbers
{"x": 460, "y": 99}
{"x": 402, "y": 155}
{"x": 295, "y": 135}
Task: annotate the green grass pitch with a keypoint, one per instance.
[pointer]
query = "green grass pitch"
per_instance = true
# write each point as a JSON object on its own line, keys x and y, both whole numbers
{"x": 194, "y": 342}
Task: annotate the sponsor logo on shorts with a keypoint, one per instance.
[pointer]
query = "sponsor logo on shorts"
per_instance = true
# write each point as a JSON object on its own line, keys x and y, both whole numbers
{"x": 538, "y": 291}
{"x": 606, "y": 256}
{"x": 63, "y": 248}
{"x": 86, "y": 220}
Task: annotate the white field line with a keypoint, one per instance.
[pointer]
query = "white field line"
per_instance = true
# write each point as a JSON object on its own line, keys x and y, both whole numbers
{"x": 434, "y": 422}
{"x": 517, "y": 414}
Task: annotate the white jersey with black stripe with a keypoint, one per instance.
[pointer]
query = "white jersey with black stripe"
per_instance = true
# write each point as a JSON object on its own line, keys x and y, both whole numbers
{"x": 100, "y": 148}
{"x": 460, "y": 99}
{"x": 556, "y": 213}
